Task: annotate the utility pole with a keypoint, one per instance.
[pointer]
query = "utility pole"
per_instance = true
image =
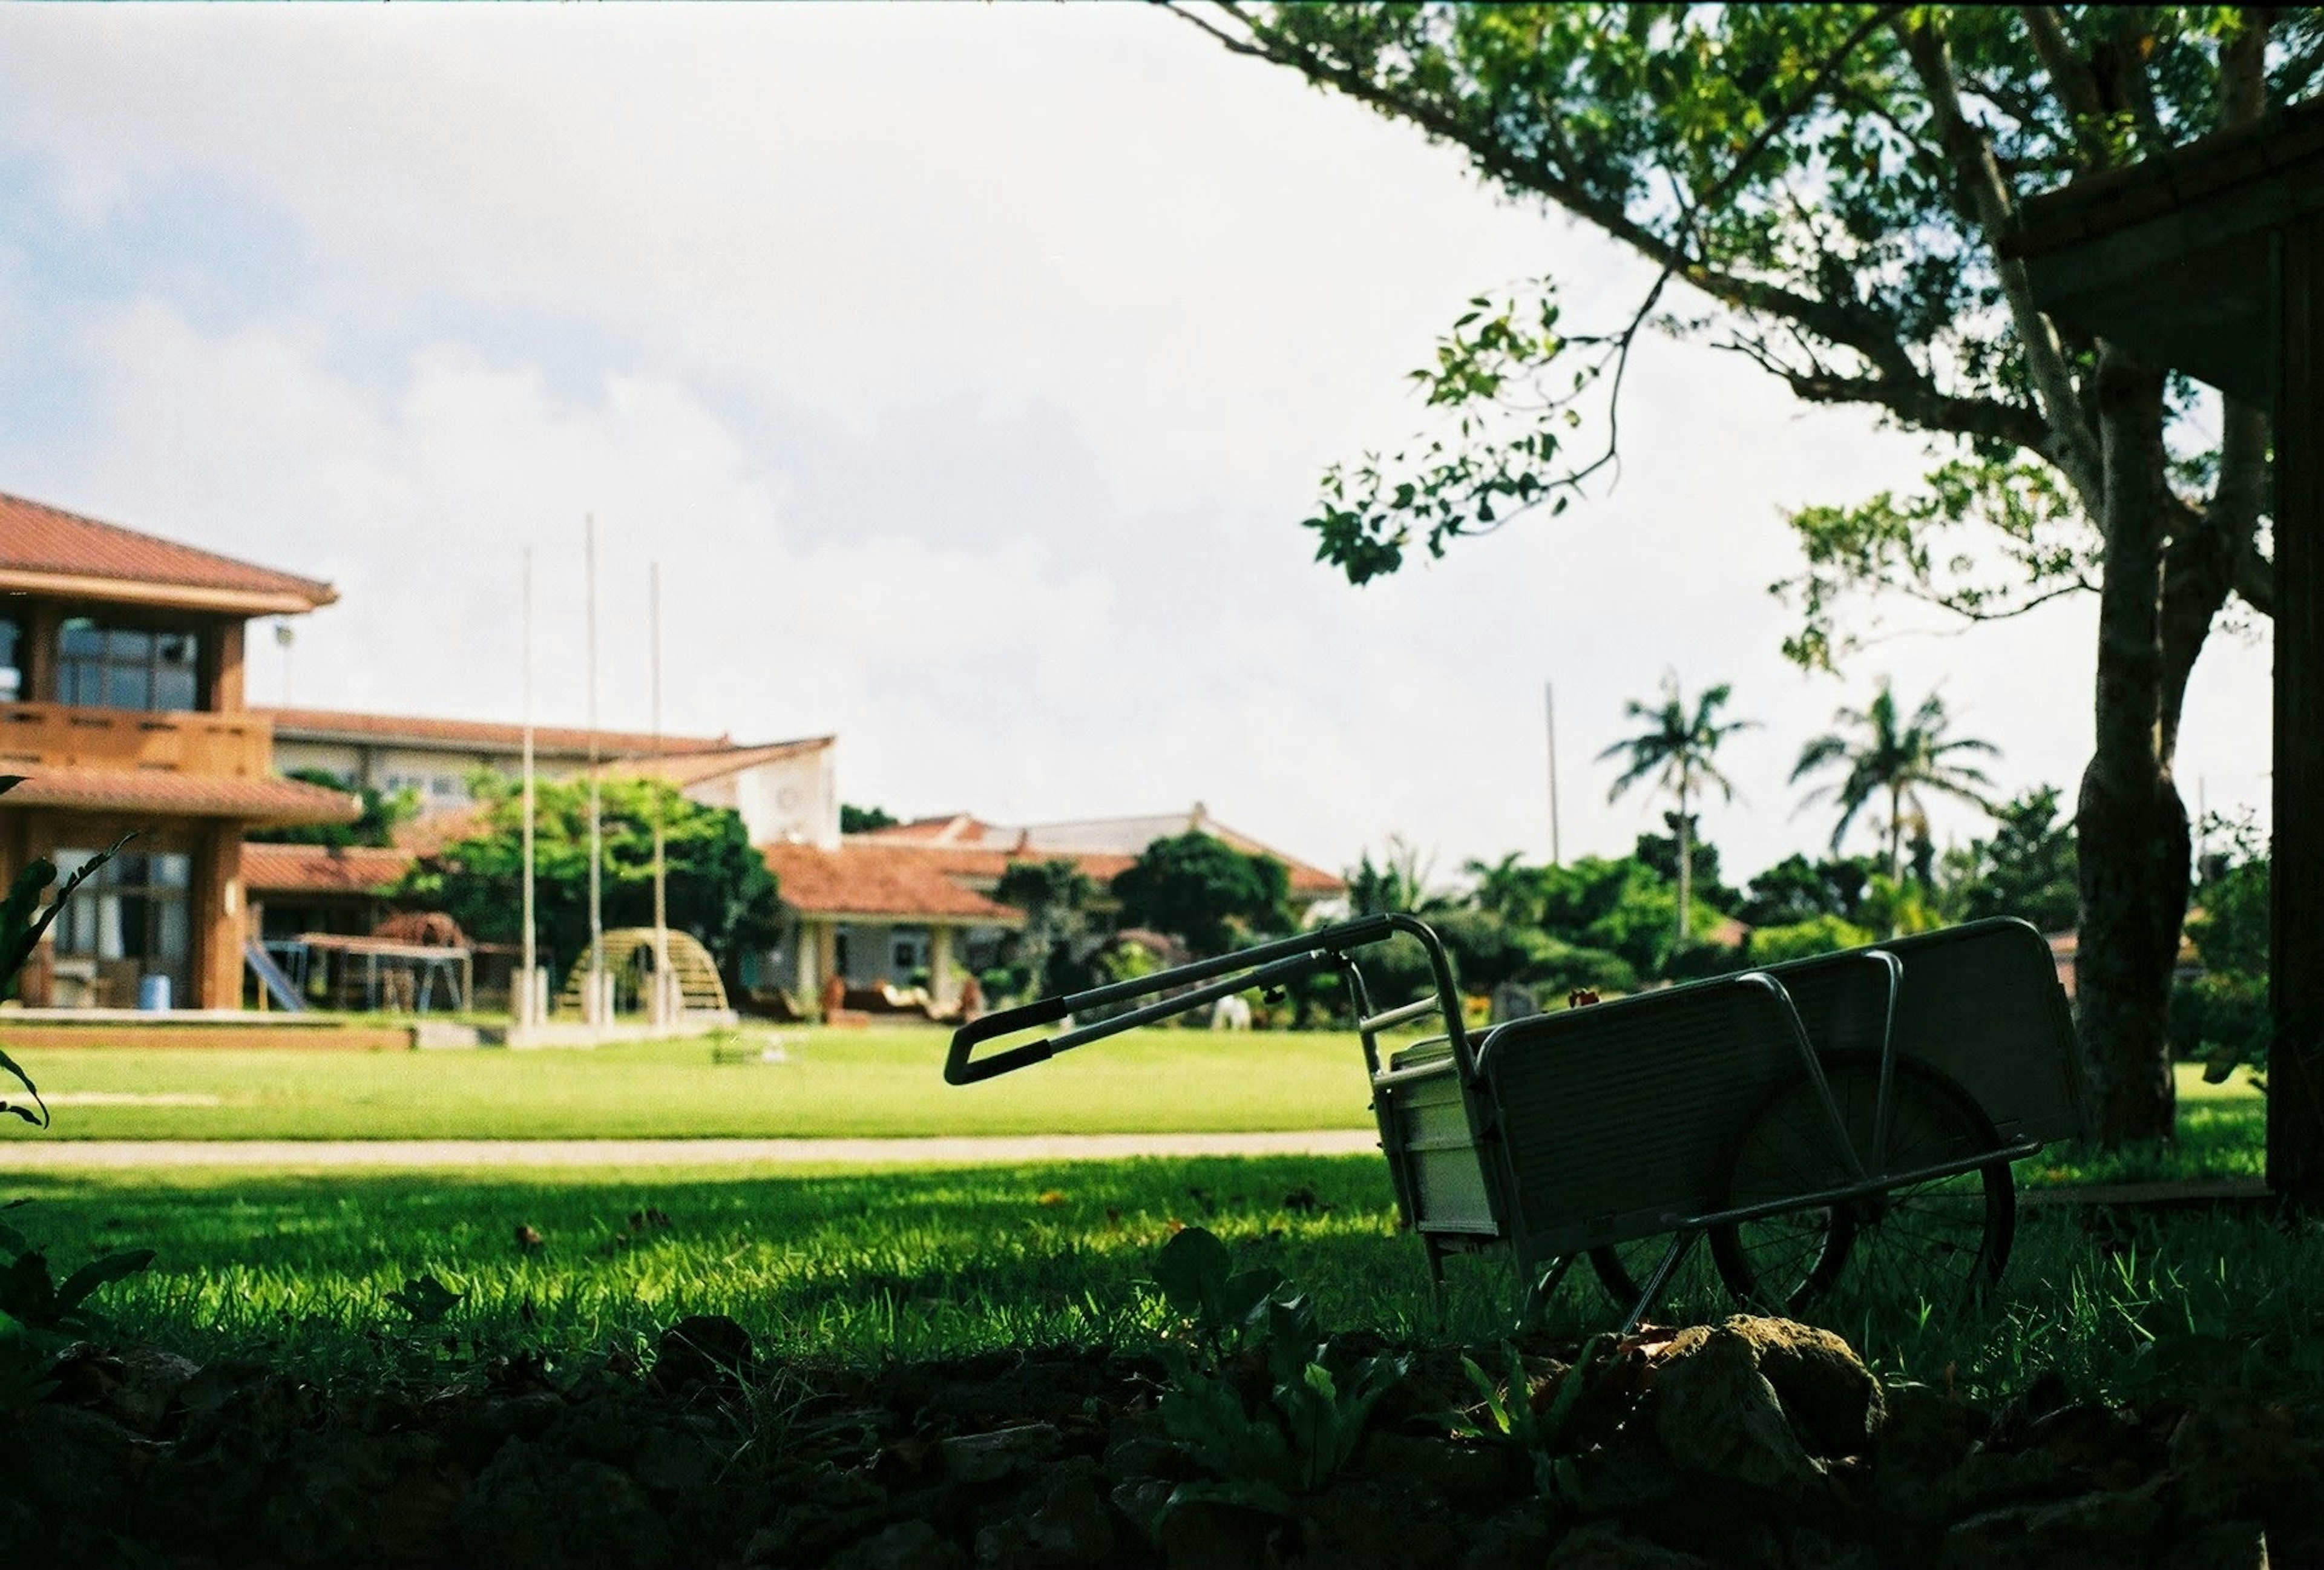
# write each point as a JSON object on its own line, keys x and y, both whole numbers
{"x": 528, "y": 1011}
{"x": 665, "y": 994}
{"x": 594, "y": 1009}
{"x": 1549, "y": 712}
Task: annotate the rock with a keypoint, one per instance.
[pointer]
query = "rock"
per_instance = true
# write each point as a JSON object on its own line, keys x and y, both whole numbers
{"x": 1358, "y": 1524}
{"x": 136, "y": 1387}
{"x": 84, "y": 1471}
{"x": 1216, "y": 1537}
{"x": 973, "y": 1458}
{"x": 2234, "y": 1455}
{"x": 1760, "y": 1402}
{"x": 1988, "y": 1479}
{"x": 1139, "y": 1455}
{"x": 1514, "y": 1539}
{"x": 1464, "y": 1472}
{"x": 2220, "y": 1545}
{"x": 906, "y": 1546}
{"x": 2093, "y": 1531}
{"x": 1140, "y": 1501}
{"x": 532, "y": 1508}
{"x": 1603, "y": 1545}
{"x": 1925, "y": 1433}
{"x": 706, "y": 1349}
{"x": 1073, "y": 1526}
{"x": 670, "y": 1459}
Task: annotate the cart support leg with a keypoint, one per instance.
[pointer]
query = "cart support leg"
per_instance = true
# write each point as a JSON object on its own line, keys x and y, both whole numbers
{"x": 1539, "y": 1288}
{"x": 1659, "y": 1282}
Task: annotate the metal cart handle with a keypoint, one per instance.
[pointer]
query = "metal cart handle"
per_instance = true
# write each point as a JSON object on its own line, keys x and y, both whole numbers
{"x": 1267, "y": 965}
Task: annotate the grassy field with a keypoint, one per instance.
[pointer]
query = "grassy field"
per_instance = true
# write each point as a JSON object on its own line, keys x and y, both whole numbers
{"x": 870, "y": 1083}
{"x": 861, "y": 1267}
{"x": 858, "y": 1082}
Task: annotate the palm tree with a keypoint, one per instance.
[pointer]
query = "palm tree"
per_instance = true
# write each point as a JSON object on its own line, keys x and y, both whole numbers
{"x": 1883, "y": 755}
{"x": 1676, "y": 748}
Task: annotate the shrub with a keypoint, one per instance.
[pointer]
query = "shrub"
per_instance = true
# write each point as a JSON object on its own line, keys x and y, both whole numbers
{"x": 1800, "y": 939}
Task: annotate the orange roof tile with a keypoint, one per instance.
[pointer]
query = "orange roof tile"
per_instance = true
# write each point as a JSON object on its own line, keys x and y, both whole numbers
{"x": 867, "y": 879}
{"x": 166, "y": 794}
{"x": 314, "y": 869}
{"x": 485, "y": 735}
{"x": 693, "y": 768}
{"x": 984, "y": 850}
{"x": 46, "y": 550}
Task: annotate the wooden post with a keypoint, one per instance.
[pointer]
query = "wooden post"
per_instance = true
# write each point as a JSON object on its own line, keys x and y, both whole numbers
{"x": 2295, "y": 1102}
{"x": 216, "y": 920}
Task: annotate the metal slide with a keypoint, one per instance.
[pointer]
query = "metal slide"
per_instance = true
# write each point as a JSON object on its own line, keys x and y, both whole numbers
{"x": 269, "y": 976}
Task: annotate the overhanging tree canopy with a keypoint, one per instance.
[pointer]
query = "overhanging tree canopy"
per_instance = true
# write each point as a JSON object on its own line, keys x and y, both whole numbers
{"x": 1831, "y": 184}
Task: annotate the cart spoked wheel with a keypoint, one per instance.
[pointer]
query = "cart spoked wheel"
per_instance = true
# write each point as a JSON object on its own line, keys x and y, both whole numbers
{"x": 1939, "y": 1239}
{"x": 1624, "y": 1269}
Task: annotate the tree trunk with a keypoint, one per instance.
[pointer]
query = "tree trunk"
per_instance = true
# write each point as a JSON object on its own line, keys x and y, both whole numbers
{"x": 1685, "y": 869}
{"x": 2131, "y": 824}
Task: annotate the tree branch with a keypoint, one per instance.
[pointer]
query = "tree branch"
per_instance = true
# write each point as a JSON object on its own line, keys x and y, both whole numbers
{"x": 1845, "y": 328}
{"x": 2073, "y": 81}
{"x": 2071, "y": 444}
{"x": 1917, "y": 401}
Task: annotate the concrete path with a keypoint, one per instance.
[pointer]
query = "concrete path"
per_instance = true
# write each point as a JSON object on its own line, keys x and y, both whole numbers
{"x": 35, "y": 1154}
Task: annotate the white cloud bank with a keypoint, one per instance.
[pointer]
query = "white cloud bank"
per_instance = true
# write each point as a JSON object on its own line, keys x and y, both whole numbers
{"x": 966, "y": 371}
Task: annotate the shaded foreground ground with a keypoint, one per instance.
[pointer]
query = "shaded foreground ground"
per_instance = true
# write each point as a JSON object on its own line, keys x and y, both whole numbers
{"x": 1757, "y": 1443}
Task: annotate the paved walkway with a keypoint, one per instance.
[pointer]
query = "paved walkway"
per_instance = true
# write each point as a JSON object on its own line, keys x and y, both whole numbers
{"x": 35, "y": 1154}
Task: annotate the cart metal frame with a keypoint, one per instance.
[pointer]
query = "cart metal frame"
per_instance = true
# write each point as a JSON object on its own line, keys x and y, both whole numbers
{"x": 1563, "y": 1132}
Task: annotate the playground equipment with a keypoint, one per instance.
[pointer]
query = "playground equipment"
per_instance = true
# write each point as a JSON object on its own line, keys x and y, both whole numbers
{"x": 630, "y": 960}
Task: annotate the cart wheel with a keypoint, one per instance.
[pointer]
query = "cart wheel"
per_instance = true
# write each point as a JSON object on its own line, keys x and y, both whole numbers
{"x": 1944, "y": 1239}
{"x": 1622, "y": 1269}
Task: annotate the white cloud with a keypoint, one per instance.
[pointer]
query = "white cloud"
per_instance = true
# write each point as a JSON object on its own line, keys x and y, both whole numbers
{"x": 967, "y": 369}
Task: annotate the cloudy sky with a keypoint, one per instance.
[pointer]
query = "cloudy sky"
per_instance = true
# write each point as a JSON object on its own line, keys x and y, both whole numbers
{"x": 966, "y": 371}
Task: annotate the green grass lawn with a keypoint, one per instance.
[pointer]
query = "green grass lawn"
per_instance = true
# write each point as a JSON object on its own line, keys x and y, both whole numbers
{"x": 875, "y": 1083}
{"x": 866, "y": 1082}
{"x": 860, "y": 1268}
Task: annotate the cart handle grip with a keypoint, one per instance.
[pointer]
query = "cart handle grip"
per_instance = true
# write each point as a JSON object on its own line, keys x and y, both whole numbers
{"x": 1267, "y": 965}
{"x": 959, "y": 1070}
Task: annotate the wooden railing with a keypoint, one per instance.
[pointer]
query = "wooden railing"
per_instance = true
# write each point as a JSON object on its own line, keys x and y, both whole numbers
{"x": 67, "y": 736}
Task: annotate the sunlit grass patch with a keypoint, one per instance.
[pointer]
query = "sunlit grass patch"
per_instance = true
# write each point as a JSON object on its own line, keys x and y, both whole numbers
{"x": 860, "y": 1268}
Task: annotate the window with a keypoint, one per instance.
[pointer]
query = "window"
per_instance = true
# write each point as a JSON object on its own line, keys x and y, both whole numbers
{"x": 100, "y": 667}
{"x": 12, "y": 664}
{"x": 131, "y": 919}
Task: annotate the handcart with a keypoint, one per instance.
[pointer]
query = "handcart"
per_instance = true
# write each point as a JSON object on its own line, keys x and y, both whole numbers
{"x": 1855, "y": 1112}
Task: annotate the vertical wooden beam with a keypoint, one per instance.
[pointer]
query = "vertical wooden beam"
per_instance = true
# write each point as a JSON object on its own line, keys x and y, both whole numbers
{"x": 218, "y": 914}
{"x": 226, "y": 667}
{"x": 2295, "y": 1102}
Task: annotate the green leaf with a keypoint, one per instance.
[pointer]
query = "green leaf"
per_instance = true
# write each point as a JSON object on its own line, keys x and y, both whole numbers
{"x": 101, "y": 1272}
{"x": 427, "y": 1299}
{"x": 1191, "y": 1269}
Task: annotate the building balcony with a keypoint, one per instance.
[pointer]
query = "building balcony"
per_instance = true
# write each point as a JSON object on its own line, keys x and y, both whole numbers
{"x": 56, "y": 735}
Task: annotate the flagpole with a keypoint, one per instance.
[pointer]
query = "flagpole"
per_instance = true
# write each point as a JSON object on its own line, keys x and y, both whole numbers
{"x": 594, "y": 1009}
{"x": 528, "y": 1013}
{"x": 1549, "y": 713}
{"x": 663, "y": 1000}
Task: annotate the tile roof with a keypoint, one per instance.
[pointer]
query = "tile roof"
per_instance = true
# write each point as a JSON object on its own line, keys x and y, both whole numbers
{"x": 693, "y": 768}
{"x": 870, "y": 879}
{"x": 1112, "y": 842}
{"x": 46, "y": 549}
{"x": 314, "y": 869}
{"x": 176, "y": 795}
{"x": 483, "y": 735}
